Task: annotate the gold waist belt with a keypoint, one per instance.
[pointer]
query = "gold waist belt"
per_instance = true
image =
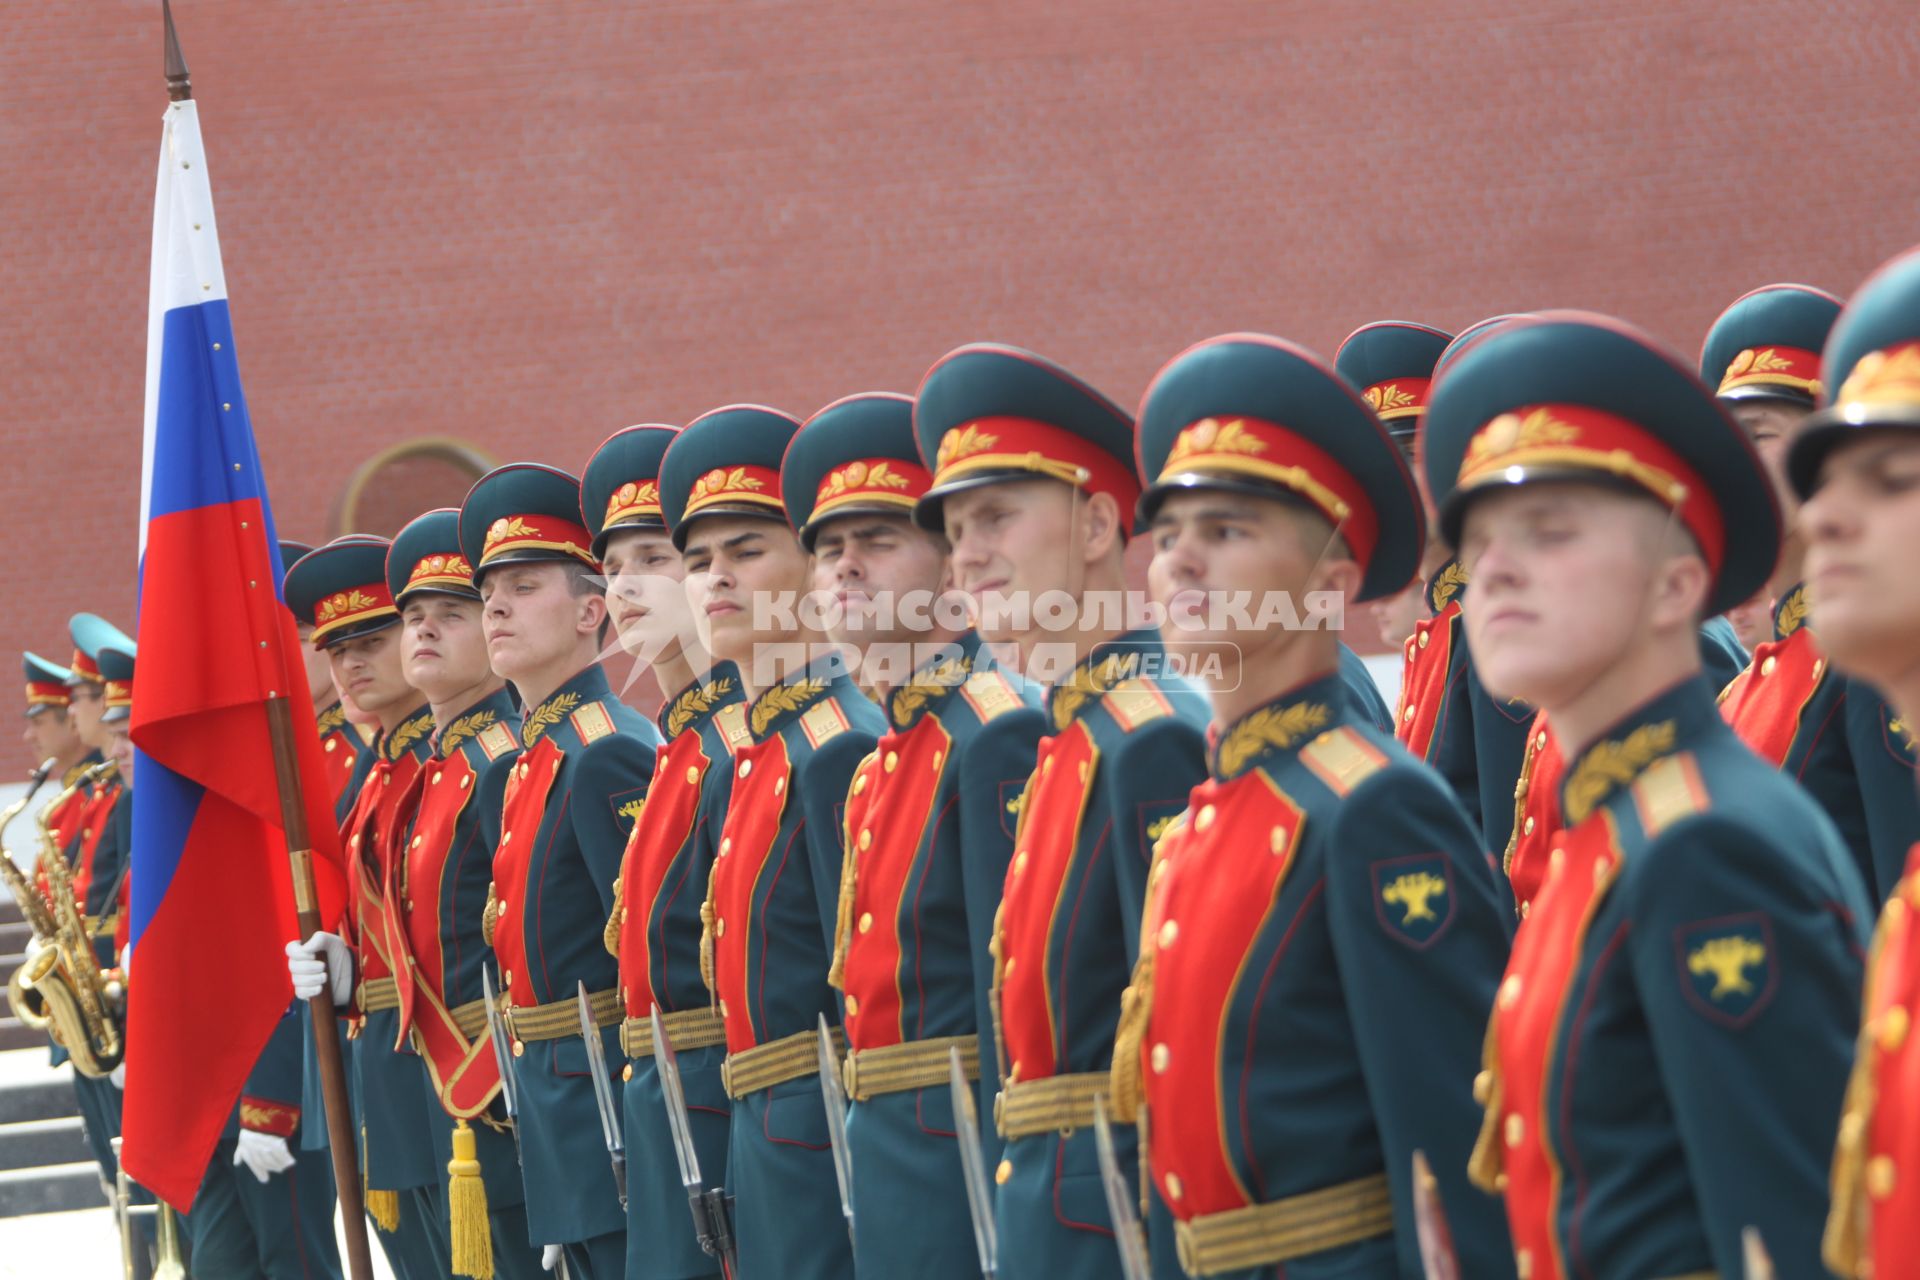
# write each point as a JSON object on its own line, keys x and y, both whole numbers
{"x": 917, "y": 1064}
{"x": 377, "y": 994}
{"x": 471, "y": 1018}
{"x": 1265, "y": 1235}
{"x": 1050, "y": 1103}
{"x": 686, "y": 1028}
{"x": 561, "y": 1019}
{"x": 765, "y": 1065}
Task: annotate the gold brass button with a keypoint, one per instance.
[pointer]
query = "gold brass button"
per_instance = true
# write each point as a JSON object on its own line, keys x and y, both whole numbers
{"x": 1407, "y": 714}
{"x": 1516, "y": 1128}
{"x": 853, "y": 1005}
{"x": 866, "y": 921}
{"x": 1168, "y": 932}
{"x": 1019, "y": 862}
{"x": 1766, "y": 668}
{"x": 1483, "y": 1087}
{"x": 1423, "y": 639}
{"x": 416, "y": 842}
{"x": 1003, "y": 1171}
{"x": 1527, "y": 827}
{"x": 1880, "y": 1177}
{"x": 1894, "y": 1025}
{"x": 518, "y": 1049}
{"x": 860, "y": 784}
{"x": 693, "y": 775}
{"x": 436, "y": 777}
{"x": 1205, "y": 819}
{"x": 720, "y": 927}
{"x": 726, "y": 845}
{"x": 1540, "y": 741}
{"x": 506, "y": 976}
{"x": 1160, "y": 1057}
{"x": 893, "y": 761}
{"x": 1174, "y": 1189}
{"x": 1523, "y": 1264}
{"x": 1277, "y": 840}
{"x": 866, "y": 838}
{"x": 1510, "y": 991}
{"x": 627, "y": 1072}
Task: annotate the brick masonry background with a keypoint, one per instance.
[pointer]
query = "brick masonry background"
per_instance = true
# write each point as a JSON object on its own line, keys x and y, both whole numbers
{"x": 525, "y": 225}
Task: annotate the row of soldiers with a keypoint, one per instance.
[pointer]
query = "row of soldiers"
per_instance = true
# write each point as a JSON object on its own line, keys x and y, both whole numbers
{"x": 1580, "y": 931}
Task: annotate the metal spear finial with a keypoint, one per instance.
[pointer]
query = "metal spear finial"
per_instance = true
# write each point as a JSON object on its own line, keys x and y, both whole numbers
{"x": 179, "y": 87}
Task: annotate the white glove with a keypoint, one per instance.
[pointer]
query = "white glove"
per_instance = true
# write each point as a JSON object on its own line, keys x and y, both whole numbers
{"x": 264, "y": 1154}
{"x": 319, "y": 964}
{"x": 550, "y": 1257}
{"x": 119, "y": 1077}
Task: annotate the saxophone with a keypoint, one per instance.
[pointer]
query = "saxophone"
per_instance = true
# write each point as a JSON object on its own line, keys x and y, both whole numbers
{"x": 34, "y": 907}
{"x": 62, "y": 988}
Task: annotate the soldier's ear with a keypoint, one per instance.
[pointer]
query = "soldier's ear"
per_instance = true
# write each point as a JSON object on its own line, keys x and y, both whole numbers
{"x": 1100, "y": 517}
{"x": 1679, "y": 592}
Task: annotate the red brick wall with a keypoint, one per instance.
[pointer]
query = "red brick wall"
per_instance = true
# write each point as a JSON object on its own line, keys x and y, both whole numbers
{"x": 525, "y": 225}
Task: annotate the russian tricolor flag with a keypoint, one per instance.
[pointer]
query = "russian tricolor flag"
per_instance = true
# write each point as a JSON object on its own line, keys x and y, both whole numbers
{"x": 212, "y": 897}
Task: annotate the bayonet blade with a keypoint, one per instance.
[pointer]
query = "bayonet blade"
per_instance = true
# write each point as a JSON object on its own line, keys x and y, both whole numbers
{"x": 1757, "y": 1262}
{"x": 502, "y": 1051}
{"x": 602, "y": 1090}
{"x": 835, "y": 1101}
{"x": 1127, "y": 1235}
{"x": 1437, "y": 1257}
{"x": 973, "y": 1162}
{"x": 676, "y": 1100}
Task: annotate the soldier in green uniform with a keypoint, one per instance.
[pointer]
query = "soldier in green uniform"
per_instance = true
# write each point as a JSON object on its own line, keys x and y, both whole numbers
{"x": 1826, "y": 730}
{"x": 1034, "y": 488}
{"x": 930, "y": 817}
{"x": 340, "y": 590}
{"x": 435, "y": 893}
{"x": 770, "y": 904}
{"x": 563, "y": 822}
{"x": 1693, "y": 954}
{"x": 1323, "y": 935}
{"x": 654, "y": 931}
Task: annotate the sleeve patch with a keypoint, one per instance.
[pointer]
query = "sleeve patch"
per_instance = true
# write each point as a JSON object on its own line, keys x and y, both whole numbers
{"x": 1342, "y": 759}
{"x": 496, "y": 740}
{"x": 823, "y": 722}
{"x": 262, "y": 1115}
{"x": 1413, "y": 898}
{"x": 1136, "y": 702}
{"x": 1726, "y": 967}
{"x": 592, "y": 723}
{"x": 1900, "y": 738}
{"x": 1013, "y": 798}
{"x": 990, "y": 696}
{"x": 1156, "y": 817}
{"x": 1668, "y": 790}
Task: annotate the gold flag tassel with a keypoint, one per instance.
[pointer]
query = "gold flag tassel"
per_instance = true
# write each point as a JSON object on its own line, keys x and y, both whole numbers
{"x": 467, "y": 1208}
{"x": 382, "y": 1206}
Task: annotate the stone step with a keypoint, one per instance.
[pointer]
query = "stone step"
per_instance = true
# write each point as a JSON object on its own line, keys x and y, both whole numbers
{"x": 48, "y": 1096}
{"x": 33, "y": 1144}
{"x": 15, "y": 1034}
{"x": 55, "y": 1189}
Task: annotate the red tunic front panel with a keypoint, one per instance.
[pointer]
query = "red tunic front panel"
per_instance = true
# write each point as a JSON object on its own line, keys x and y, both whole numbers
{"x": 1892, "y": 1062}
{"x": 1423, "y": 680}
{"x": 521, "y": 812}
{"x": 659, "y": 834}
{"x": 1764, "y": 702}
{"x": 1043, "y": 855}
{"x": 1219, "y": 877}
{"x": 761, "y": 773}
{"x": 1527, "y": 1018}
{"x": 892, "y": 797}
{"x": 1537, "y": 821}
